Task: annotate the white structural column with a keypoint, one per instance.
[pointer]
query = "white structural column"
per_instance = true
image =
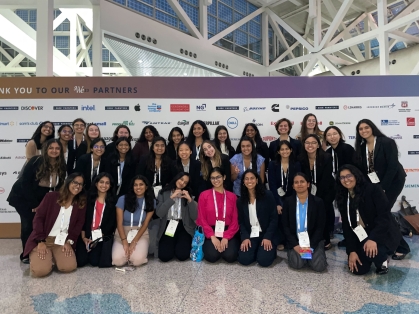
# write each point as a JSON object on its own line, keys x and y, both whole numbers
{"x": 73, "y": 38}
{"x": 97, "y": 42}
{"x": 317, "y": 23}
{"x": 44, "y": 38}
{"x": 383, "y": 37}
{"x": 265, "y": 39}
{"x": 203, "y": 17}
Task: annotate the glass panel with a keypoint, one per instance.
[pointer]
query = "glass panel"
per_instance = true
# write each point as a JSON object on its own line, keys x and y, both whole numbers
{"x": 212, "y": 9}
{"x": 212, "y": 24}
{"x": 240, "y": 50}
{"x": 228, "y": 2}
{"x": 140, "y": 7}
{"x": 225, "y": 13}
{"x": 240, "y": 38}
{"x": 163, "y": 5}
{"x": 166, "y": 18}
{"x": 241, "y": 6}
{"x": 255, "y": 29}
{"x": 255, "y": 57}
{"x": 191, "y": 11}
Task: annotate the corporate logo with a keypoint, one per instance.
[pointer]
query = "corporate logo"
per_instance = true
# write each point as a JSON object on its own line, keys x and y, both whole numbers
{"x": 20, "y": 157}
{"x": 150, "y": 122}
{"x": 382, "y": 107}
{"x": 416, "y": 136}
{"x": 62, "y": 123}
{"x": 412, "y": 170}
{"x": 88, "y": 108}
{"x": 396, "y": 137}
{"x": 413, "y": 152}
{"x": 351, "y": 107}
{"x": 179, "y": 108}
{"x": 5, "y": 157}
{"x": 154, "y": 108}
{"x": 116, "y": 107}
{"x": 202, "y": 107}
{"x": 327, "y": 107}
{"x": 351, "y": 137}
{"x": 128, "y": 123}
{"x": 66, "y": 107}
{"x": 411, "y": 186}
{"x": 410, "y": 121}
{"x": 296, "y": 108}
{"x": 22, "y": 140}
{"x": 11, "y": 123}
{"x": 275, "y": 107}
{"x": 2, "y": 190}
{"x": 232, "y": 122}
{"x": 268, "y": 138}
{"x": 338, "y": 122}
{"x": 404, "y": 105}
{"x": 9, "y": 108}
{"x": 257, "y": 123}
{"x": 183, "y": 122}
{"x": 5, "y": 141}
{"x": 137, "y": 107}
{"x": 34, "y": 123}
{"x": 32, "y": 108}
{"x": 3, "y": 173}
{"x": 227, "y": 108}
{"x": 390, "y": 122}
{"x": 253, "y": 108}
{"x": 212, "y": 122}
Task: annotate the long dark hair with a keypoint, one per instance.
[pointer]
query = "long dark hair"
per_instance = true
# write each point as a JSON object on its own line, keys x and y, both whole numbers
{"x": 61, "y": 128}
{"x": 258, "y": 138}
{"x": 131, "y": 199}
{"x": 95, "y": 141}
{"x": 93, "y": 193}
{"x": 177, "y": 129}
{"x": 342, "y": 192}
{"x": 359, "y": 140}
{"x": 191, "y": 137}
{"x": 319, "y": 152}
{"x": 115, "y": 133}
{"x": 278, "y": 157}
{"x": 36, "y": 137}
{"x": 254, "y": 152}
{"x": 64, "y": 193}
{"x": 142, "y": 135}
{"x": 342, "y": 137}
{"x": 217, "y": 141}
{"x": 115, "y": 154}
{"x": 260, "y": 189}
{"x": 165, "y": 160}
{"x": 46, "y": 168}
{"x": 304, "y": 132}
{"x": 172, "y": 185}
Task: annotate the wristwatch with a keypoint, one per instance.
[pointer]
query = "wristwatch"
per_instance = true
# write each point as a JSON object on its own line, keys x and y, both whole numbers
{"x": 70, "y": 241}
{"x": 39, "y": 241}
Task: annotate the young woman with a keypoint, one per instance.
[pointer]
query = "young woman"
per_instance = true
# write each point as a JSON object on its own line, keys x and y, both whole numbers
{"x": 100, "y": 223}
{"x": 342, "y": 153}
{"x": 317, "y": 165}
{"x": 283, "y": 128}
{"x": 120, "y": 131}
{"x": 281, "y": 171}
{"x": 79, "y": 125}
{"x": 247, "y": 158}
{"x": 90, "y": 165}
{"x": 310, "y": 126}
{"x": 217, "y": 214}
{"x": 56, "y": 227}
{"x": 304, "y": 219}
{"x": 92, "y": 132}
{"x": 44, "y": 132}
{"x": 156, "y": 165}
{"x": 175, "y": 137}
{"x": 178, "y": 212}
{"x": 121, "y": 165}
{"x": 382, "y": 164}
{"x": 42, "y": 174}
{"x": 222, "y": 141}
{"x": 251, "y": 130}
{"x": 258, "y": 221}
{"x": 133, "y": 213}
{"x": 65, "y": 133}
{"x": 370, "y": 230}
{"x": 197, "y": 134}
{"x": 142, "y": 146}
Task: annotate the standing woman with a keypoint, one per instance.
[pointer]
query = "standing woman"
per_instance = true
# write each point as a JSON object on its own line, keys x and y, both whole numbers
{"x": 100, "y": 223}
{"x": 178, "y": 212}
{"x": 121, "y": 165}
{"x": 342, "y": 153}
{"x": 217, "y": 214}
{"x": 175, "y": 137}
{"x": 90, "y": 165}
{"x": 92, "y": 133}
{"x": 281, "y": 171}
{"x": 120, "y": 131}
{"x": 133, "y": 213}
{"x": 41, "y": 175}
{"x": 283, "y": 128}
{"x": 317, "y": 165}
{"x": 142, "y": 146}
{"x": 79, "y": 125}
{"x": 251, "y": 130}
{"x": 258, "y": 221}
{"x": 304, "y": 219}
{"x": 56, "y": 228}
{"x": 65, "y": 133}
{"x": 197, "y": 134}
{"x": 310, "y": 126}
{"x": 44, "y": 132}
{"x": 222, "y": 141}
{"x": 246, "y": 158}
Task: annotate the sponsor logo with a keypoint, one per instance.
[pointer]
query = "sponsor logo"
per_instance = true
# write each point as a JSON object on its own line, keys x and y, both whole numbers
{"x": 34, "y": 123}
{"x": 183, "y": 122}
{"x": 61, "y": 123}
{"x": 9, "y": 108}
{"x": 390, "y": 122}
{"x": 11, "y": 123}
{"x": 410, "y": 121}
{"x": 130, "y": 123}
{"x": 202, "y": 107}
{"x": 23, "y": 140}
{"x": 268, "y": 138}
{"x": 88, "y": 108}
{"x": 2, "y": 190}
{"x": 232, "y": 123}
{"x": 416, "y": 136}
{"x": 5, "y": 141}
{"x": 335, "y": 123}
{"x": 5, "y": 157}
{"x": 296, "y": 108}
{"x": 327, "y": 107}
{"x": 257, "y": 123}
{"x": 382, "y": 107}
{"x": 3, "y": 173}
{"x": 137, "y": 107}
{"x": 212, "y": 122}
{"x": 150, "y": 122}
{"x": 413, "y": 152}
{"x": 396, "y": 137}
{"x": 351, "y": 107}
{"x": 227, "y": 108}
{"x": 411, "y": 186}
{"x": 404, "y": 105}
{"x": 275, "y": 107}
{"x": 20, "y": 157}
{"x": 32, "y": 108}
{"x": 273, "y": 122}
{"x": 253, "y": 108}
{"x": 154, "y": 108}
{"x": 179, "y": 108}
{"x": 66, "y": 107}
{"x": 351, "y": 137}
{"x": 412, "y": 170}
{"x": 116, "y": 107}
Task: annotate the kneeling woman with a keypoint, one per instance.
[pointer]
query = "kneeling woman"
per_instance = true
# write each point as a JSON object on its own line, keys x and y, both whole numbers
{"x": 304, "y": 219}
{"x": 133, "y": 213}
{"x": 258, "y": 221}
{"x": 178, "y": 212}
{"x": 99, "y": 227}
{"x": 370, "y": 231}
{"x": 56, "y": 227}
{"x": 217, "y": 214}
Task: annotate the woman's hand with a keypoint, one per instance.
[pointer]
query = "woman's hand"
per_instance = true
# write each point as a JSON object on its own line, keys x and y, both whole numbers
{"x": 279, "y": 209}
{"x": 236, "y": 169}
{"x": 67, "y": 249}
{"x": 87, "y": 242}
{"x": 42, "y": 250}
{"x": 185, "y": 194}
{"x": 267, "y": 244}
{"x": 126, "y": 247}
{"x": 297, "y": 249}
{"x": 132, "y": 246}
{"x": 176, "y": 194}
{"x": 223, "y": 245}
{"x": 352, "y": 260}
{"x": 370, "y": 248}
{"x": 244, "y": 247}
{"x": 216, "y": 242}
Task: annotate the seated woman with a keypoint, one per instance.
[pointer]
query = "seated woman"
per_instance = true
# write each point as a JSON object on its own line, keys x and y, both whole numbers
{"x": 258, "y": 221}
{"x": 304, "y": 218}
{"x": 217, "y": 214}
{"x": 370, "y": 231}
{"x": 100, "y": 224}
{"x": 56, "y": 227}
{"x": 178, "y": 212}
{"x": 133, "y": 213}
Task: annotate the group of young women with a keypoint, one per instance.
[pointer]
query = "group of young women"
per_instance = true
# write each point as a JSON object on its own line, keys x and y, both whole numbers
{"x": 174, "y": 187}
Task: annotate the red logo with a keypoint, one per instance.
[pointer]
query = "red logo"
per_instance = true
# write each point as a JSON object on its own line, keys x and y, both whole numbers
{"x": 179, "y": 108}
{"x": 2, "y": 190}
{"x": 268, "y": 138}
{"x": 410, "y": 121}
{"x": 345, "y": 107}
{"x": 273, "y": 122}
{"x": 404, "y": 104}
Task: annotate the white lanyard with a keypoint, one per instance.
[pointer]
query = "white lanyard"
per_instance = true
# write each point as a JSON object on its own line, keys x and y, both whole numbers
{"x": 373, "y": 153}
{"x": 50, "y": 182}
{"x": 282, "y": 177}
{"x": 62, "y": 221}
{"x": 119, "y": 175}
{"x": 178, "y": 208}
{"x": 101, "y": 216}
{"x": 155, "y": 176}
{"x": 198, "y": 149}
{"x": 314, "y": 171}
{"x": 216, "y": 206}
{"x": 244, "y": 167}
{"x": 141, "y": 216}
{"x": 75, "y": 142}
{"x": 333, "y": 160}
{"x": 298, "y": 214}
{"x": 97, "y": 169}
{"x": 349, "y": 217}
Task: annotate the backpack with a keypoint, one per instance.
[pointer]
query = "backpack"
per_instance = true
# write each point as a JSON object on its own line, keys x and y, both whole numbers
{"x": 197, "y": 253}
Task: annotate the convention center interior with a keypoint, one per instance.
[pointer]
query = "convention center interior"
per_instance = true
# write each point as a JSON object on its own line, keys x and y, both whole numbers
{"x": 209, "y": 156}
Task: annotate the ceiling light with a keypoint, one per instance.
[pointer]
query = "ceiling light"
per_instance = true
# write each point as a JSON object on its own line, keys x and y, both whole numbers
{"x": 185, "y": 73}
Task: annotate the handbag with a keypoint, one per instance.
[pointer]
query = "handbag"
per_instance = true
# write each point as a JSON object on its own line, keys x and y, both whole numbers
{"x": 197, "y": 253}
{"x": 105, "y": 260}
{"x": 409, "y": 214}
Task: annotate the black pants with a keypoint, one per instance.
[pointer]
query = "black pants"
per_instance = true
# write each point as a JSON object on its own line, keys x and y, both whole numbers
{"x": 281, "y": 235}
{"x": 317, "y": 263}
{"x": 178, "y": 246}
{"x": 229, "y": 255}
{"x": 26, "y": 219}
{"x": 378, "y": 260}
{"x": 256, "y": 253}
{"x": 83, "y": 257}
{"x": 330, "y": 222}
{"x": 394, "y": 192}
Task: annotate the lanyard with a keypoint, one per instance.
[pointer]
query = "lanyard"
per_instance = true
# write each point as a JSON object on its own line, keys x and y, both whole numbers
{"x": 119, "y": 174}
{"x": 50, "y": 182}
{"x": 298, "y": 214}
{"x": 198, "y": 149}
{"x": 333, "y": 160}
{"x": 155, "y": 176}
{"x": 75, "y": 142}
{"x": 178, "y": 208}
{"x": 62, "y": 221}
{"x": 244, "y": 167}
{"x": 216, "y": 206}
{"x": 141, "y": 216}
{"x": 314, "y": 172}
{"x": 286, "y": 176}
{"x": 101, "y": 216}
{"x": 373, "y": 152}
{"x": 97, "y": 169}
{"x": 349, "y": 217}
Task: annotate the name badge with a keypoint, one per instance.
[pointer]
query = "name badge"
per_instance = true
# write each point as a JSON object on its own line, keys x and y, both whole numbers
{"x": 219, "y": 228}
{"x": 171, "y": 228}
{"x": 360, "y": 233}
{"x": 303, "y": 239}
{"x": 255, "y": 232}
{"x": 60, "y": 239}
{"x": 131, "y": 235}
{"x": 373, "y": 177}
{"x": 313, "y": 189}
{"x": 306, "y": 253}
{"x": 97, "y": 234}
{"x": 157, "y": 190}
{"x": 281, "y": 191}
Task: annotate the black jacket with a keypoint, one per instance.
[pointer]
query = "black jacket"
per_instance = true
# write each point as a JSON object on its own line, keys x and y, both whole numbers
{"x": 71, "y": 157}
{"x": 111, "y": 167}
{"x": 171, "y": 151}
{"x": 295, "y": 144}
{"x": 275, "y": 179}
{"x": 84, "y": 165}
{"x": 316, "y": 220}
{"x": 166, "y": 174}
{"x": 195, "y": 178}
{"x": 344, "y": 155}
{"x": 108, "y": 224}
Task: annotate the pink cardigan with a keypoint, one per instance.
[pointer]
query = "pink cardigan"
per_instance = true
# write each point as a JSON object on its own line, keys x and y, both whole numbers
{"x": 206, "y": 213}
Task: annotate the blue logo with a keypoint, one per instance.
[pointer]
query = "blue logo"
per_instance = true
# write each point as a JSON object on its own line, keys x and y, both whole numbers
{"x": 88, "y": 108}
{"x": 154, "y": 108}
{"x": 390, "y": 122}
{"x": 232, "y": 123}
{"x": 202, "y": 107}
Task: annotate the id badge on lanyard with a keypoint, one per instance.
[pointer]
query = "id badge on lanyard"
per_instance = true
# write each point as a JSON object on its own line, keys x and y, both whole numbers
{"x": 119, "y": 178}
{"x": 157, "y": 188}
{"x": 97, "y": 169}
{"x": 255, "y": 232}
{"x": 280, "y": 190}
{"x": 303, "y": 238}
{"x": 219, "y": 224}
{"x": 359, "y": 230}
{"x": 133, "y": 232}
{"x": 62, "y": 236}
{"x": 313, "y": 185}
{"x": 372, "y": 175}
{"x": 172, "y": 226}
{"x": 50, "y": 183}
{"x": 97, "y": 233}
{"x": 335, "y": 166}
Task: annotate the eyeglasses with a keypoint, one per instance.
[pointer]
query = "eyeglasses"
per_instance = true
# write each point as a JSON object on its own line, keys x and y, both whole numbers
{"x": 216, "y": 178}
{"x": 99, "y": 147}
{"x": 67, "y": 132}
{"x": 79, "y": 125}
{"x": 310, "y": 143}
{"x": 348, "y": 176}
{"x": 47, "y": 127}
{"x": 77, "y": 183}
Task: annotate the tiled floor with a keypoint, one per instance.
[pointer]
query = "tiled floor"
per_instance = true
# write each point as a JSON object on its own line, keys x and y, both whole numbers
{"x": 190, "y": 287}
